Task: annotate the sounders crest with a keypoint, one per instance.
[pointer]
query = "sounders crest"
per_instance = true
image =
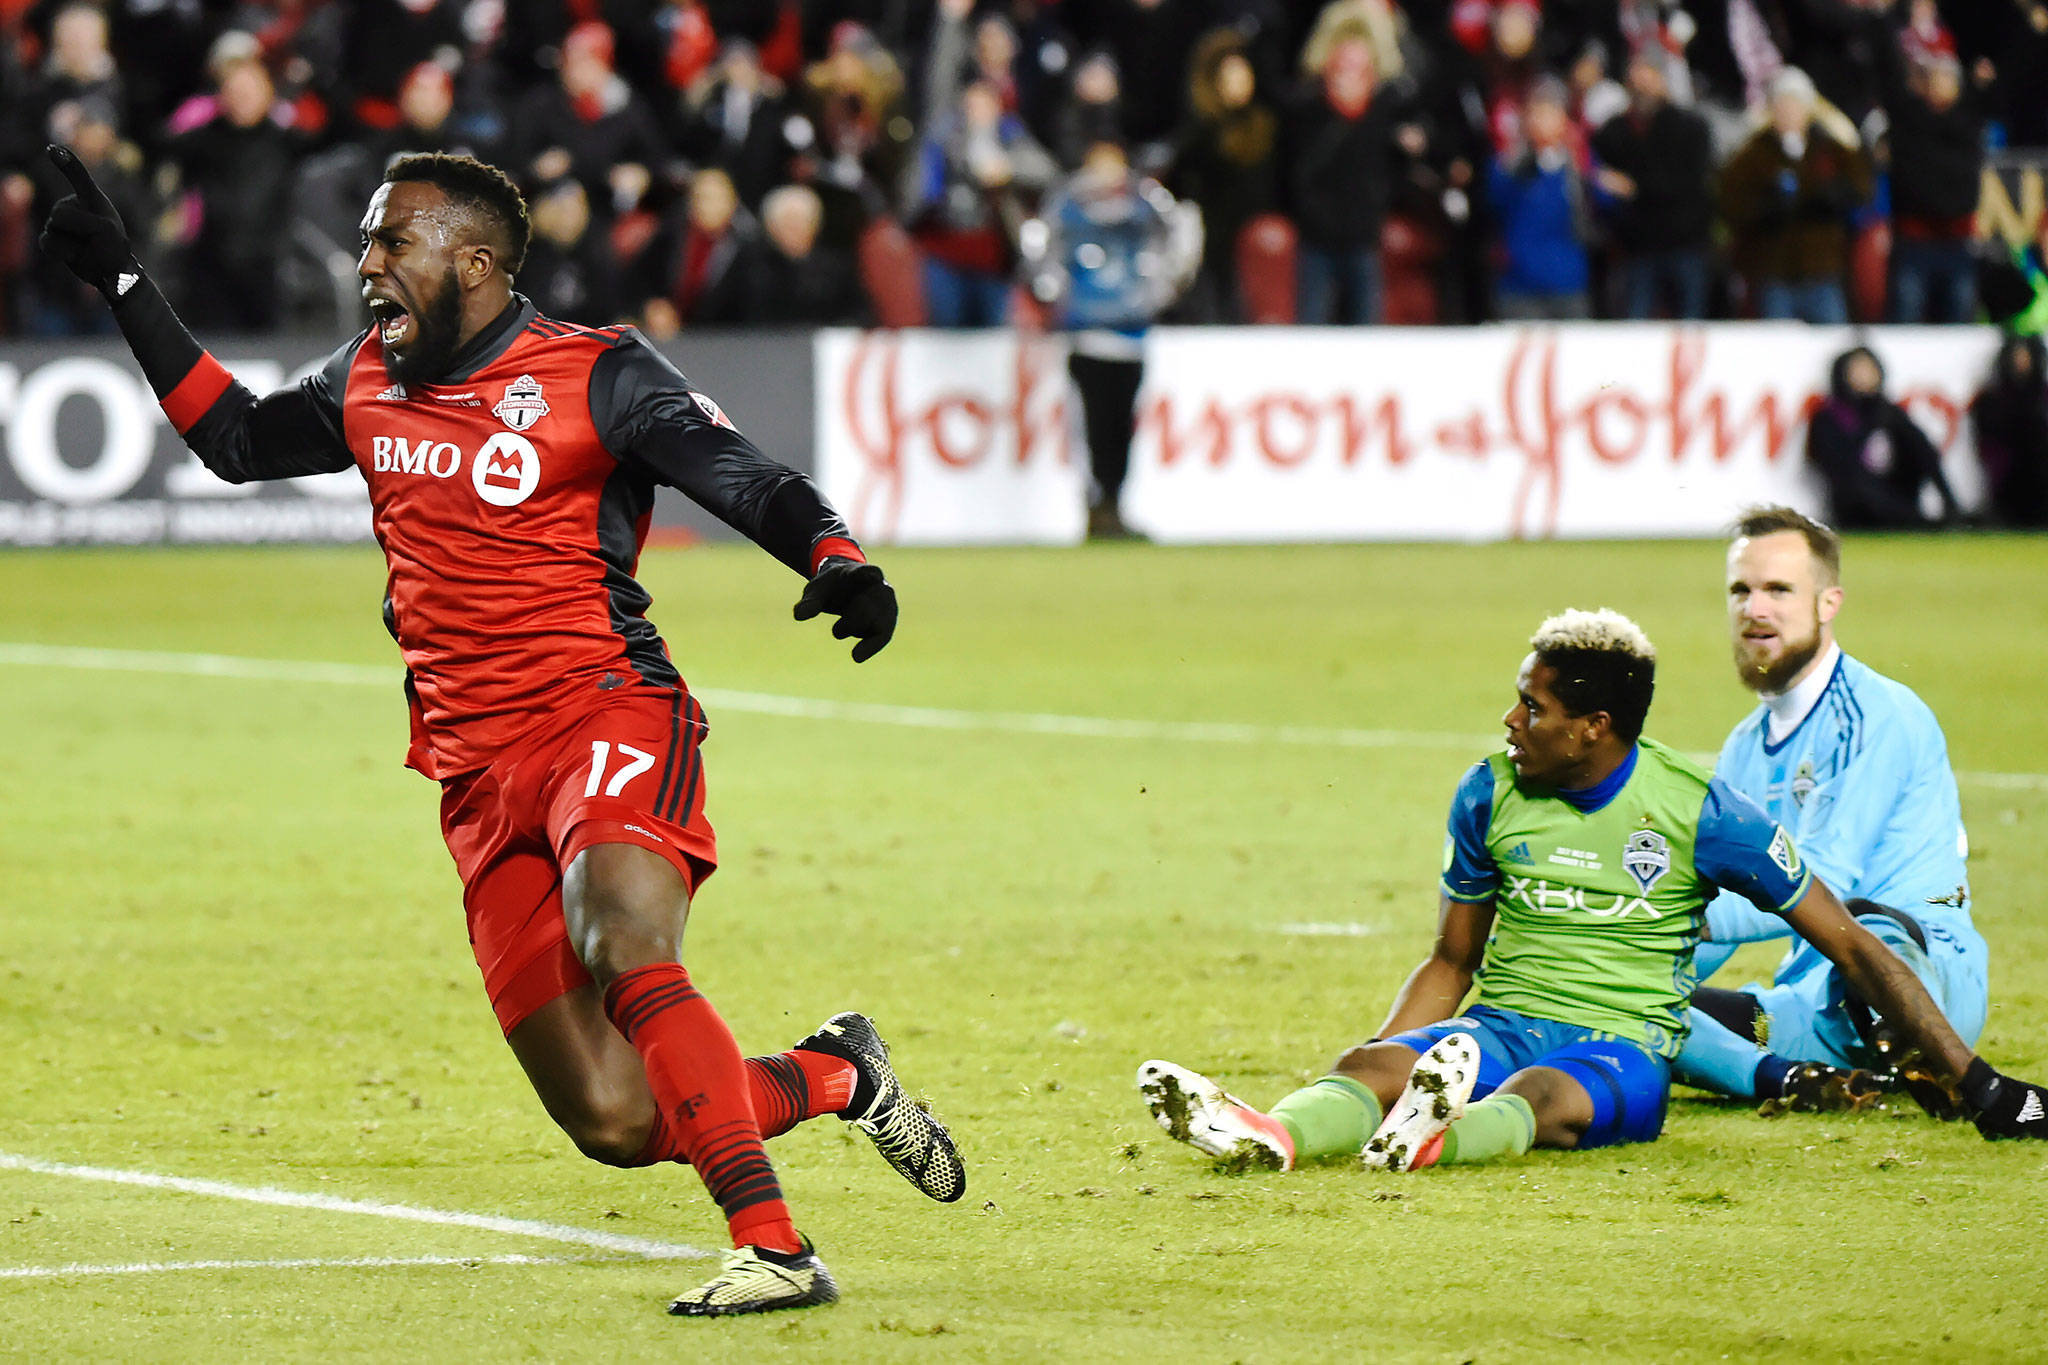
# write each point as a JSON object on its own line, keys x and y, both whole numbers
{"x": 1647, "y": 856}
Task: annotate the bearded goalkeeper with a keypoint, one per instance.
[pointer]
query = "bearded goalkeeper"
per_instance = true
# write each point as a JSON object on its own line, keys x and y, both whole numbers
{"x": 1577, "y": 871}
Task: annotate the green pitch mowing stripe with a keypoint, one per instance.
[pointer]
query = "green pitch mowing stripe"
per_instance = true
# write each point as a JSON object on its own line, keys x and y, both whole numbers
{"x": 67, "y": 1272}
{"x": 645, "y": 1247}
{"x": 820, "y": 708}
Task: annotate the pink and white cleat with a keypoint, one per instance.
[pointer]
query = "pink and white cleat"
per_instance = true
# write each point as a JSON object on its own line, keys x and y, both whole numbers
{"x": 1412, "y": 1135}
{"x": 1195, "y": 1110}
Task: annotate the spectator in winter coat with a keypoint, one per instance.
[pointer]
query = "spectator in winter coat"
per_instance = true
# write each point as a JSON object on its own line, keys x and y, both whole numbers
{"x": 1873, "y": 457}
{"x": 1228, "y": 166}
{"x": 2009, "y": 420}
{"x": 1787, "y": 194}
{"x": 590, "y": 124}
{"x": 78, "y": 66}
{"x": 736, "y": 116}
{"x": 699, "y": 272}
{"x": 1540, "y": 205}
{"x": 1092, "y": 111}
{"x": 1151, "y": 40}
{"x": 1344, "y": 145}
{"x": 1655, "y": 164}
{"x": 239, "y": 165}
{"x": 979, "y": 171}
{"x": 569, "y": 272}
{"x": 801, "y": 282}
{"x": 1109, "y": 251}
{"x": 1937, "y": 162}
{"x": 55, "y": 302}
{"x": 853, "y": 99}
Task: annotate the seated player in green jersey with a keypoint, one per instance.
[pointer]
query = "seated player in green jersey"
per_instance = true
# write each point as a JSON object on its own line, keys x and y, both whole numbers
{"x": 1577, "y": 871}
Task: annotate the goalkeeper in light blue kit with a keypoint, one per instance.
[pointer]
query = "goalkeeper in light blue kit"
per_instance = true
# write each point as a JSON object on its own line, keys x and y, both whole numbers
{"x": 1577, "y": 871}
{"x": 1855, "y": 766}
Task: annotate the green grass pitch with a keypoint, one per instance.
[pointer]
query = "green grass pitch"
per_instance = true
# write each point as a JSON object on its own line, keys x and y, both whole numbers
{"x": 233, "y": 952}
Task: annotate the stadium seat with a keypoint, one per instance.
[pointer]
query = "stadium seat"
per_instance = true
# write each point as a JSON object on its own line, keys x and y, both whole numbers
{"x": 1870, "y": 255}
{"x": 1265, "y": 269}
{"x": 892, "y": 272}
{"x": 1408, "y": 256}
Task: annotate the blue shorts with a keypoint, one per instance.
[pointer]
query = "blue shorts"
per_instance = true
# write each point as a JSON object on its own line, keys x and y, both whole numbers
{"x": 1628, "y": 1084}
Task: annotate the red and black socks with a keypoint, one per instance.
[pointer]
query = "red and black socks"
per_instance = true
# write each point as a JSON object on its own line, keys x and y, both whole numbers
{"x": 701, "y": 1086}
{"x": 790, "y": 1087}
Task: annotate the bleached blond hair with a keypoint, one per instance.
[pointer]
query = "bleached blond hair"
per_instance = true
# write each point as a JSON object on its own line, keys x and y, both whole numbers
{"x": 1603, "y": 662}
{"x": 1604, "y": 631}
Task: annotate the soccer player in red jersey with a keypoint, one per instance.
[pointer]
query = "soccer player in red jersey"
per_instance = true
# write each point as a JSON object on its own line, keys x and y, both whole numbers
{"x": 511, "y": 462}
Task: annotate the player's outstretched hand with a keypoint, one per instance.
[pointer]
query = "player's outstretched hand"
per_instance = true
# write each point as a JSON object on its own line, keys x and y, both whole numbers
{"x": 859, "y": 596}
{"x": 2004, "y": 1106}
{"x": 84, "y": 231}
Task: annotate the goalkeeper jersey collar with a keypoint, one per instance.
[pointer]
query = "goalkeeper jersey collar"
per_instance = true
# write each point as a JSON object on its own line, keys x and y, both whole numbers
{"x": 1792, "y": 706}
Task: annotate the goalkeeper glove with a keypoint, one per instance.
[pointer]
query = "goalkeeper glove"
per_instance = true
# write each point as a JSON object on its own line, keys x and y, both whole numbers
{"x": 84, "y": 231}
{"x": 2004, "y": 1106}
{"x": 859, "y": 596}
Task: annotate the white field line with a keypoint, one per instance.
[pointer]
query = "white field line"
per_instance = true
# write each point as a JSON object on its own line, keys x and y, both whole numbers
{"x": 1350, "y": 929}
{"x": 327, "y": 1203}
{"x": 872, "y": 713}
{"x": 54, "y": 1272}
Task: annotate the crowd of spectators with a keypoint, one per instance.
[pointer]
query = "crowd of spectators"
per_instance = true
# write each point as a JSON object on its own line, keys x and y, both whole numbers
{"x": 701, "y": 163}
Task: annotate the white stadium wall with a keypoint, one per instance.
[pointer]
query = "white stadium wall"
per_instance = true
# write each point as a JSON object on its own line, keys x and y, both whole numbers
{"x": 970, "y": 438}
{"x": 1589, "y": 430}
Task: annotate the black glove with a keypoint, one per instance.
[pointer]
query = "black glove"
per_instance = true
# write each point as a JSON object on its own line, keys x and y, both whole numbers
{"x": 859, "y": 596}
{"x": 84, "y": 231}
{"x": 2004, "y": 1106}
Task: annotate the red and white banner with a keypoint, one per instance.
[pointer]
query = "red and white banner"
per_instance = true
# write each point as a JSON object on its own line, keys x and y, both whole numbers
{"x": 1264, "y": 434}
{"x": 949, "y": 438}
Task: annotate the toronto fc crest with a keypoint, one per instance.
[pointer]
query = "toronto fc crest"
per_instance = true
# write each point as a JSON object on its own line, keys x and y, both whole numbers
{"x": 522, "y": 404}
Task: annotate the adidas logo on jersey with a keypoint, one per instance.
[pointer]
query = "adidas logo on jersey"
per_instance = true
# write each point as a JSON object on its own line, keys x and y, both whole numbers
{"x": 394, "y": 394}
{"x": 1519, "y": 854}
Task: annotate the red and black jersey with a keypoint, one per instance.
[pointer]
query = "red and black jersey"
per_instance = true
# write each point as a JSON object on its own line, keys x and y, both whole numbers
{"x": 512, "y": 500}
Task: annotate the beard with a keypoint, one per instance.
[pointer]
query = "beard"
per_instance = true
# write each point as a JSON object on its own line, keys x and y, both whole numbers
{"x": 1772, "y": 678}
{"x": 437, "y": 336}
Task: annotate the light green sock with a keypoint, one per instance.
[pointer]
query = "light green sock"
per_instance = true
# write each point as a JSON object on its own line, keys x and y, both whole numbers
{"x": 1333, "y": 1117}
{"x": 1499, "y": 1125}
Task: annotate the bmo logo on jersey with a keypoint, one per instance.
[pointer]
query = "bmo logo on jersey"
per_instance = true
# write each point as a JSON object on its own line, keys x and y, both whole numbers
{"x": 396, "y": 455}
{"x": 504, "y": 473}
{"x": 507, "y": 470}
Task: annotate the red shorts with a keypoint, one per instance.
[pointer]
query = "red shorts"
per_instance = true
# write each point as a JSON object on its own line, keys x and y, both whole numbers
{"x": 628, "y": 771}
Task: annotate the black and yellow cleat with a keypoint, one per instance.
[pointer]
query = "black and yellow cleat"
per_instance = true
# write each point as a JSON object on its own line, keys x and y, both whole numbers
{"x": 760, "y": 1280}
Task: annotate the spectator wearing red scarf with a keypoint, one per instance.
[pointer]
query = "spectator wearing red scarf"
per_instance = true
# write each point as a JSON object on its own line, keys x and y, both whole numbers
{"x": 700, "y": 271}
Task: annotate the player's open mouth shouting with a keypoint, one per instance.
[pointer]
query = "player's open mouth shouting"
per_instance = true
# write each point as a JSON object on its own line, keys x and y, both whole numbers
{"x": 393, "y": 319}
